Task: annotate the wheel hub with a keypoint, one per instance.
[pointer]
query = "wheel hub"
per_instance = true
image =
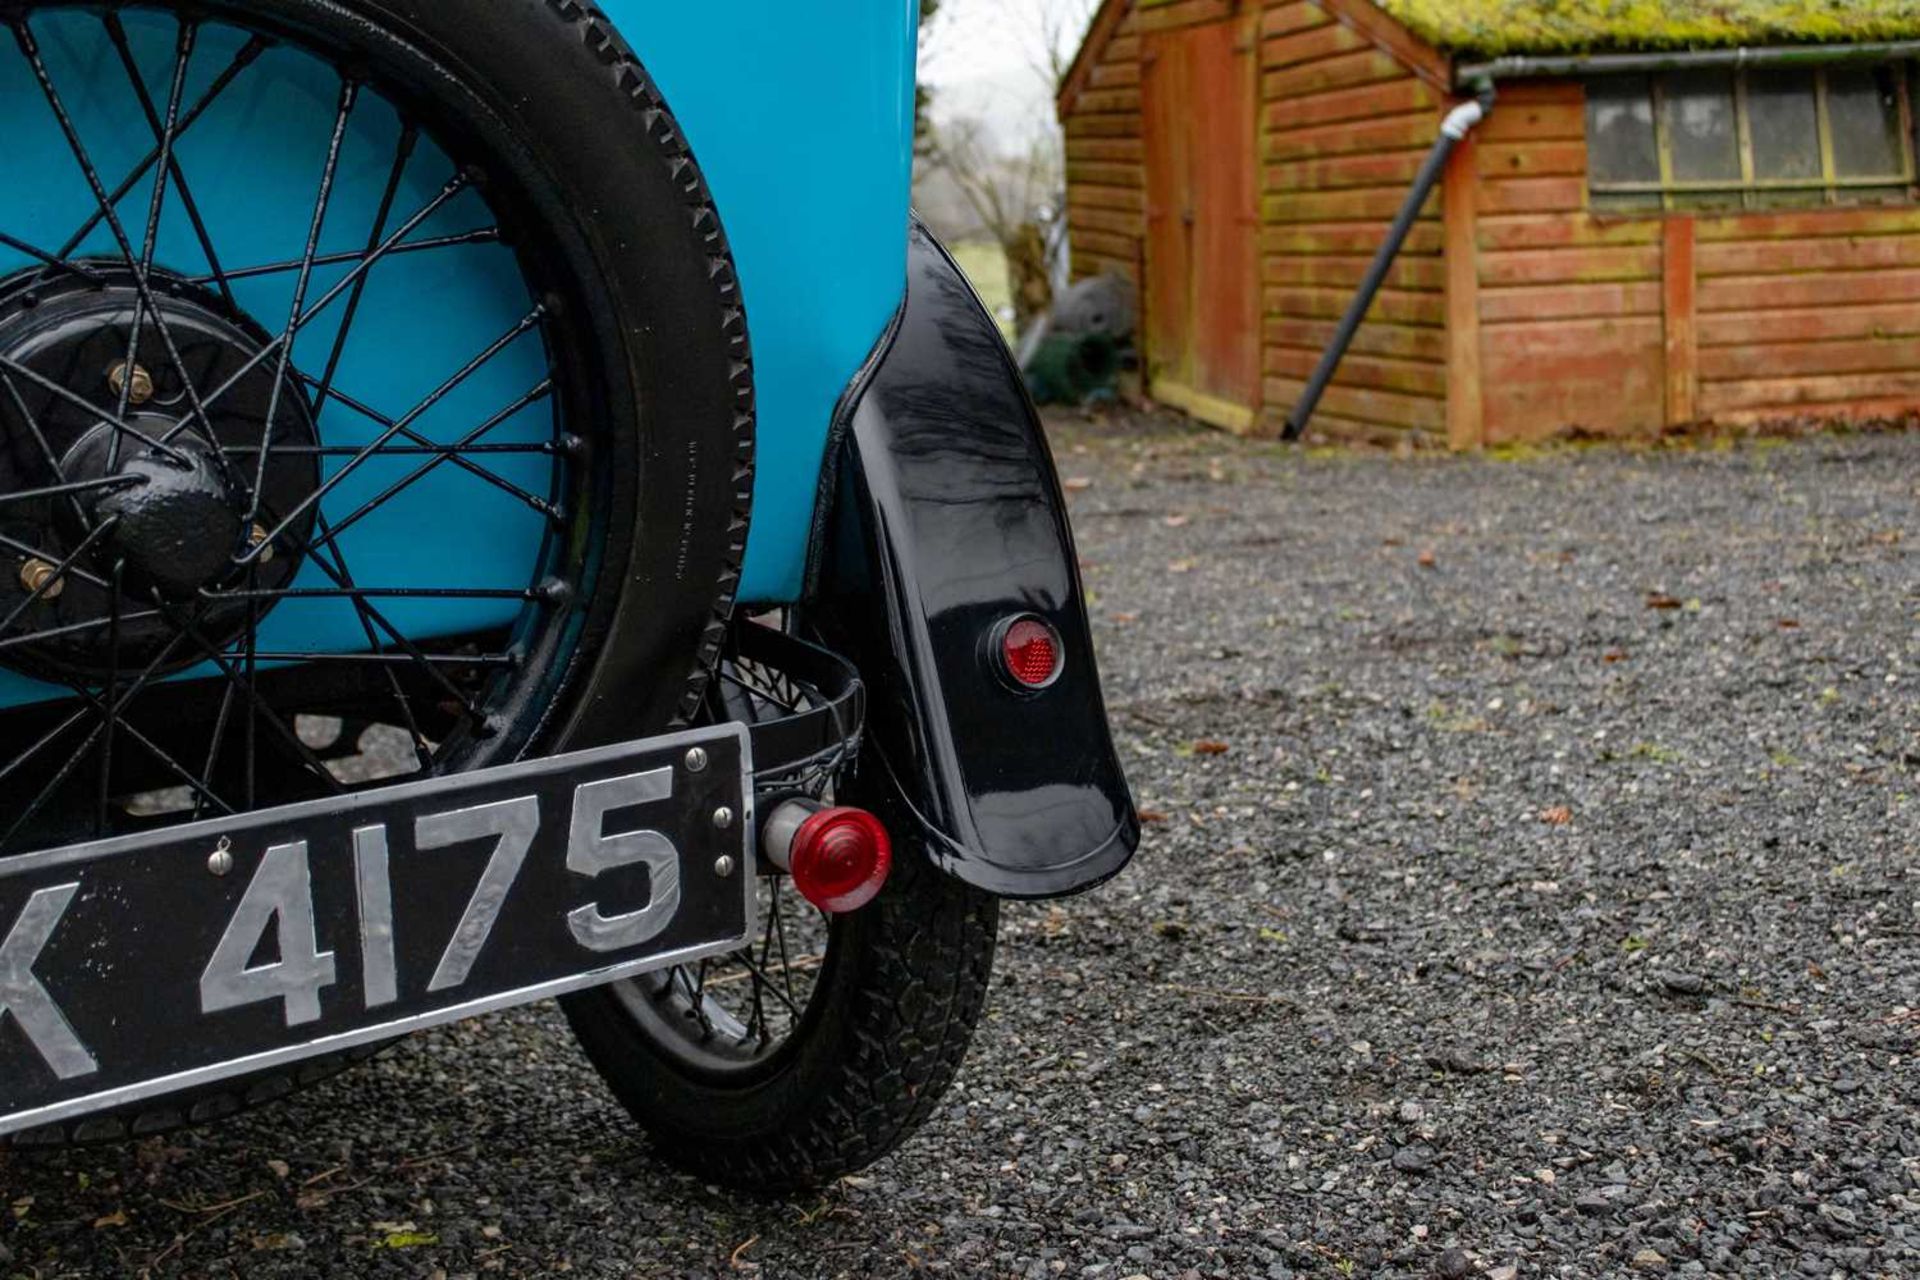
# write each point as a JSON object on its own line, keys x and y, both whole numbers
{"x": 137, "y": 546}
{"x": 175, "y": 523}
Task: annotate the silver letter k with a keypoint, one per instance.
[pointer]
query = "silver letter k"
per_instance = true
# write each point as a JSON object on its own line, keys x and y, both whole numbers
{"x": 22, "y": 995}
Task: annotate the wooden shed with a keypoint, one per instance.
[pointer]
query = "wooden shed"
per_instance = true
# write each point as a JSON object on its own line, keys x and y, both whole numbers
{"x": 1619, "y": 249}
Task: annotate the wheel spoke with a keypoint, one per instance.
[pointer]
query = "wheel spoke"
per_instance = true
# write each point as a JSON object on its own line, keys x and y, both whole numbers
{"x": 41, "y": 443}
{"x": 257, "y": 706}
{"x": 349, "y": 94}
{"x": 72, "y": 629}
{"x": 65, "y": 567}
{"x": 353, "y": 464}
{"x": 422, "y": 756}
{"x": 370, "y": 593}
{"x": 50, "y": 260}
{"x": 74, "y": 761}
{"x": 182, "y": 56}
{"x": 430, "y": 665}
{"x": 389, "y": 450}
{"x": 167, "y": 133}
{"x": 786, "y": 965}
{"x": 452, "y": 453}
{"x": 402, "y": 154}
{"x": 29, "y": 550}
{"x": 242, "y": 59}
{"x": 11, "y": 366}
{"x": 762, "y": 980}
{"x": 482, "y": 235}
{"x": 69, "y": 488}
{"x": 215, "y": 742}
{"x": 105, "y": 789}
{"x": 477, "y": 660}
{"x": 454, "y": 186}
{"x": 30, "y": 47}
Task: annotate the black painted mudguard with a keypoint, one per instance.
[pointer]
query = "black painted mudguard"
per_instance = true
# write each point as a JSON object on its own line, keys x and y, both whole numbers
{"x": 946, "y": 517}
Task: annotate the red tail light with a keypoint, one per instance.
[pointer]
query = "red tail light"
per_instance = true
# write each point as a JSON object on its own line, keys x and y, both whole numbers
{"x": 1030, "y": 652}
{"x": 839, "y": 859}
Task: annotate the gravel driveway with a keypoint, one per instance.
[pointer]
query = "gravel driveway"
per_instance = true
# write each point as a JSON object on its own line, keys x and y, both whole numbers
{"x": 1532, "y": 890}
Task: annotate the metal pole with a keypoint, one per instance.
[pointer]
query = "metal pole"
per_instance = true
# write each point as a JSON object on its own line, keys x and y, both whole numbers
{"x": 1458, "y": 124}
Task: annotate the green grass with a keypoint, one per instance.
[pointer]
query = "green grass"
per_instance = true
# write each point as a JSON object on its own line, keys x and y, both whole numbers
{"x": 1582, "y": 26}
{"x": 986, "y": 266}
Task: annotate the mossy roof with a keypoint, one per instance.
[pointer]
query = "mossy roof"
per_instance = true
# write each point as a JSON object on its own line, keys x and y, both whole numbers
{"x": 1600, "y": 26}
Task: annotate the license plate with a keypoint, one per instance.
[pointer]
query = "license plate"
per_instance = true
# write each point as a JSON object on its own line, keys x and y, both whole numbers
{"x": 147, "y": 964}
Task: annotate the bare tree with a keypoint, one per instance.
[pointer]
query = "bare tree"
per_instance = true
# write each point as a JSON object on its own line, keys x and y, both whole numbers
{"x": 922, "y": 99}
{"x": 1016, "y": 190}
{"x": 1049, "y": 33}
{"x": 1015, "y": 195}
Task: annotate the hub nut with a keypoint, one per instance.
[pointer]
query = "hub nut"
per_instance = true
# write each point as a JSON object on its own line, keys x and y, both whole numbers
{"x": 41, "y": 579}
{"x": 142, "y": 389}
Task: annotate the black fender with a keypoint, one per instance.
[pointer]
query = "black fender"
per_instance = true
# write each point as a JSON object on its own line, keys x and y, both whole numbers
{"x": 944, "y": 518}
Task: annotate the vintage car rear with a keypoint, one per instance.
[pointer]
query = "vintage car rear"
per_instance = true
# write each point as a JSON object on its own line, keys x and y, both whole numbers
{"x": 501, "y": 502}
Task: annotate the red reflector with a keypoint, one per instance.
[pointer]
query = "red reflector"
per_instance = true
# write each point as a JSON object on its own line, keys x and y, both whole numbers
{"x": 1030, "y": 651}
{"x": 840, "y": 859}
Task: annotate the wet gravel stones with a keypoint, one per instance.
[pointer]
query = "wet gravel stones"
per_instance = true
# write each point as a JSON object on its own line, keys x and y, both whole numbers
{"x": 1531, "y": 891}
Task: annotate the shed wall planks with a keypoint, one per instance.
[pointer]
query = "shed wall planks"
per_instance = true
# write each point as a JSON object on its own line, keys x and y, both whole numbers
{"x": 1344, "y": 125}
{"x": 1581, "y": 321}
{"x": 1809, "y": 313}
{"x": 1106, "y": 161}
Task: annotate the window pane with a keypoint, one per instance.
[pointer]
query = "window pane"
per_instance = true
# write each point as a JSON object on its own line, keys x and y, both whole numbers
{"x": 1863, "y": 111}
{"x": 1620, "y": 131}
{"x": 1784, "y": 124}
{"x": 1699, "y": 120}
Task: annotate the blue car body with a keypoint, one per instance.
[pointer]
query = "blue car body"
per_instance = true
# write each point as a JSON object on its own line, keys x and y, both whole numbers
{"x": 807, "y": 143}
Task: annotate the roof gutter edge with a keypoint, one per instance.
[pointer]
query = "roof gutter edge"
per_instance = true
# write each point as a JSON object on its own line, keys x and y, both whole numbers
{"x": 1533, "y": 67}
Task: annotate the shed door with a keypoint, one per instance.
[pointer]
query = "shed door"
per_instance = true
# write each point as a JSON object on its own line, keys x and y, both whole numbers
{"x": 1203, "y": 270}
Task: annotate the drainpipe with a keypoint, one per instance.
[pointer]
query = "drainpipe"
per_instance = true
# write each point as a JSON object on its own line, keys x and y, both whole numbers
{"x": 1458, "y": 124}
{"x": 1481, "y": 76}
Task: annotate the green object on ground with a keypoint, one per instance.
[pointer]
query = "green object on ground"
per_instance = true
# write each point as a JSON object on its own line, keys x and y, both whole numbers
{"x": 1073, "y": 368}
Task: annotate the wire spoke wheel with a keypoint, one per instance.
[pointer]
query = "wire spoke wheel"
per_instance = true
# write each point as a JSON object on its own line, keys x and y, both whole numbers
{"x": 731, "y": 1016}
{"x": 323, "y": 408}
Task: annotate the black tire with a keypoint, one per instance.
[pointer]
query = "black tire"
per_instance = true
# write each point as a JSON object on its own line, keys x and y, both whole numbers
{"x": 903, "y": 985}
{"x": 594, "y": 159}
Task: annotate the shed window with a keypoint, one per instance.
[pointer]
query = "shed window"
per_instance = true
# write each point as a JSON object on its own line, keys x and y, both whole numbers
{"x": 1754, "y": 139}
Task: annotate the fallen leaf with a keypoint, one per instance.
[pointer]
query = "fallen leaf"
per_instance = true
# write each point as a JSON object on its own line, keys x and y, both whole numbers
{"x": 407, "y": 1240}
{"x": 1789, "y": 624}
{"x": 118, "y": 1218}
{"x": 735, "y": 1259}
{"x": 1180, "y": 566}
{"x": 1152, "y": 817}
{"x": 1077, "y": 484}
{"x": 280, "y": 1168}
{"x": 1124, "y": 618}
{"x": 1209, "y": 747}
{"x": 1661, "y": 600}
{"x": 1175, "y": 521}
{"x": 1427, "y": 559}
{"x": 1614, "y": 655}
{"x": 1558, "y": 815}
{"x": 1393, "y": 542}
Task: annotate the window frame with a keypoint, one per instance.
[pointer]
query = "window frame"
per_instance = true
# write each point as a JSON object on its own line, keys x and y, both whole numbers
{"x": 1830, "y": 185}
